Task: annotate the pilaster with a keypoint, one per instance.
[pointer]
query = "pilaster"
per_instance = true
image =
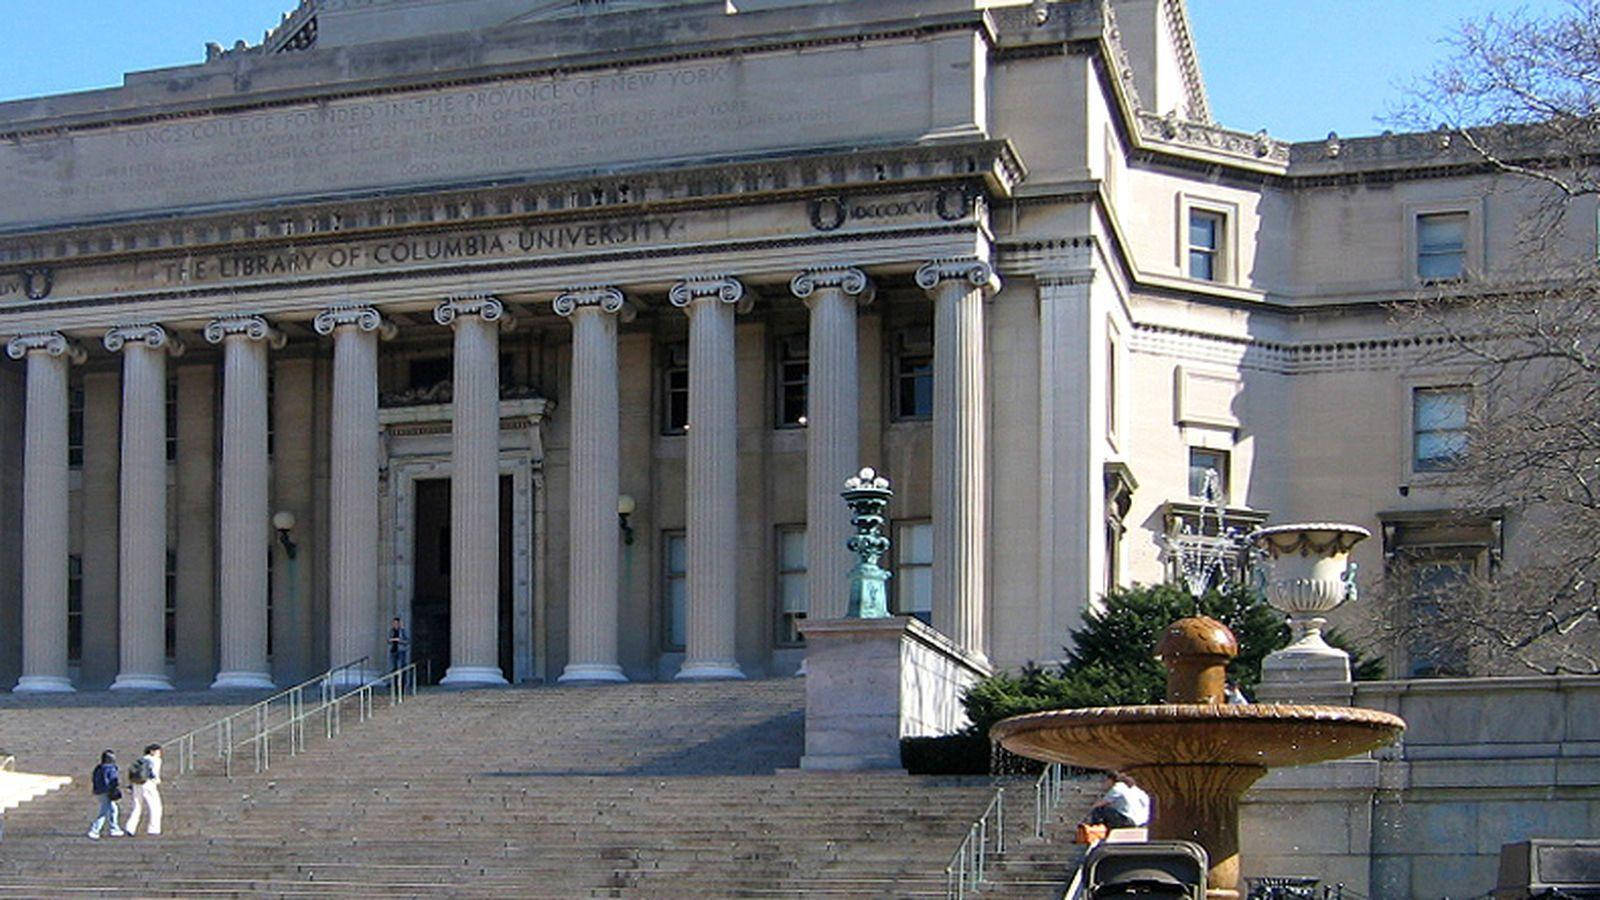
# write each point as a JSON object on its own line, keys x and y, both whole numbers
{"x": 1071, "y": 479}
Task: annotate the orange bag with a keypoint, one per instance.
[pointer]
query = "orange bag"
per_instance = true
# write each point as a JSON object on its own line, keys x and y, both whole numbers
{"x": 1091, "y": 834}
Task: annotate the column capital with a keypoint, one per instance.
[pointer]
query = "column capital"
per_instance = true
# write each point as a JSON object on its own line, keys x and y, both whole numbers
{"x": 974, "y": 271}
{"x": 253, "y": 328}
{"x": 849, "y": 279}
{"x": 719, "y": 288}
{"x": 600, "y": 297}
{"x": 53, "y": 343}
{"x": 486, "y": 306}
{"x": 361, "y": 318}
{"x": 150, "y": 335}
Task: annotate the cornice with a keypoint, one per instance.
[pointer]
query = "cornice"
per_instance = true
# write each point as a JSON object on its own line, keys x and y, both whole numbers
{"x": 1188, "y": 61}
{"x": 1284, "y": 357}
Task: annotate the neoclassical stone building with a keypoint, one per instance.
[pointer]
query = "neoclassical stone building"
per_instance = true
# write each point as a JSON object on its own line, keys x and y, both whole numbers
{"x": 554, "y": 328}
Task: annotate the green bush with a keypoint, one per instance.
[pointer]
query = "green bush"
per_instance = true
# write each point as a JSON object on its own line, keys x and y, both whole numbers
{"x": 1112, "y": 658}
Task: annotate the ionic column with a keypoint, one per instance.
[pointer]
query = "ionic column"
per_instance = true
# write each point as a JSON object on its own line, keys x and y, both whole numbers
{"x": 44, "y": 511}
{"x": 354, "y": 449}
{"x": 713, "y": 484}
{"x": 833, "y": 443}
{"x": 245, "y": 519}
{"x": 475, "y": 490}
{"x": 593, "y": 576}
{"x": 957, "y": 287}
{"x": 142, "y": 526}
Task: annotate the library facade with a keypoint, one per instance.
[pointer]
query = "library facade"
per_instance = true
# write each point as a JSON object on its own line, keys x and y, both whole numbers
{"x": 554, "y": 329}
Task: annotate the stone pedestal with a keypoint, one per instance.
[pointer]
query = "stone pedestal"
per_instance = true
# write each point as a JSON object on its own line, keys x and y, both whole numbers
{"x": 871, "y": 682}
{"x": 1306, "y": 677}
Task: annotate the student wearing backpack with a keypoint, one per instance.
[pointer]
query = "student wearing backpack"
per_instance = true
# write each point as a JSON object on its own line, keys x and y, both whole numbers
{"x": 107, "y": 792}
{"x": 145, "y": 776}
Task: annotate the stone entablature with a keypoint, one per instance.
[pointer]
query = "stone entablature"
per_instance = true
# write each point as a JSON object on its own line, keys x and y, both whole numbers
{"x": 833, "y": 195}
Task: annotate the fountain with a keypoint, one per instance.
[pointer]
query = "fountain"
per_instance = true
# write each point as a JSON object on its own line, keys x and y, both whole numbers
{"x": 1195, "y": 754}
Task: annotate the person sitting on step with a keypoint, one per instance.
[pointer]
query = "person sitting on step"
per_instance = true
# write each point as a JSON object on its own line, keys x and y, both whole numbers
{"x": 1124, "y": 804}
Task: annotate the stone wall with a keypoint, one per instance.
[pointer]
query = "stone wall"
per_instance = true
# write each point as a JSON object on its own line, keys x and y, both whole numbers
{"x": 1484, "y": 762}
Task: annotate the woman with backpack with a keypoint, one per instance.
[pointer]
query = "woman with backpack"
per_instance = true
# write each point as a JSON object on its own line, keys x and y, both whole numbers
{"x": 107, "y": 791}
{"x": 144, "y": 776}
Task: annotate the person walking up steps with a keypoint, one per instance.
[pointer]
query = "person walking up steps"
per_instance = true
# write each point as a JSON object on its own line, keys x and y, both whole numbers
{"x": 107, "y": 791}
{"x": 145, "y": 777}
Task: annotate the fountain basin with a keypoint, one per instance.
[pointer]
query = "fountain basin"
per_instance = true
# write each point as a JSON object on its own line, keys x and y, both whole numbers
{"x": 1265, "y": 734}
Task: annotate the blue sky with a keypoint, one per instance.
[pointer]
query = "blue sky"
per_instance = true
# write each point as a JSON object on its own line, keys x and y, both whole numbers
{"x": 1299, "y": 68}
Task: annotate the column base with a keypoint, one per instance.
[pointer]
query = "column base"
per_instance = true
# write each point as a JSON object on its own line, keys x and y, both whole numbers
{"x": 43, "y": 684}
{"x": 709, "y": 671}
{"x": 130, "y": 682}
{"x": 229, "y": 681}
{"x": 474, "y": 676}
{"x": 591, "y": 672}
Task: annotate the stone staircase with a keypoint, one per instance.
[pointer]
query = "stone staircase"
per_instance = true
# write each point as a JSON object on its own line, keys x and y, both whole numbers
{"x": 638, "y": 790}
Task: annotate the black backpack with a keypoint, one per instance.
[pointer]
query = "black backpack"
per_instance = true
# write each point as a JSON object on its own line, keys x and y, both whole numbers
{"x": 139, "y": 772}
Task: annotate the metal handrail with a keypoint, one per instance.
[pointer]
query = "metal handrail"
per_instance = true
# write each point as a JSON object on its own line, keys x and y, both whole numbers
{"x": 1047, "y": 797}
{"x": 396, "y": 682}
{"x": 968, "y": 866}
{"x": 260, "y": 717}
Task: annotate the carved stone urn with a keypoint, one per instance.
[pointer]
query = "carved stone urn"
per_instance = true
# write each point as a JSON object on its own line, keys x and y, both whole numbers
{"x": 1309, "y": 574}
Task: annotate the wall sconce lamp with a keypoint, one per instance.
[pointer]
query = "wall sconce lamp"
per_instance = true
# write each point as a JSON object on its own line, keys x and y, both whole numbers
{"x": 283, "y": 521}
{"x": 625, "y": 508}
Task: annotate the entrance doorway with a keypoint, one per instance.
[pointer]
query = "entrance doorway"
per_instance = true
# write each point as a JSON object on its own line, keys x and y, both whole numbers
{"x": 430, "y": 598}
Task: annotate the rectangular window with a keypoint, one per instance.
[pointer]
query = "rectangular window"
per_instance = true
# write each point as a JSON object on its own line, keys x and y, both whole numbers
{"x": 75, "y": 427}
{"x": 791, "y": 584}
{"x": 794, "y": 367}
{"x": 1442, "y": 246}
{"x": 171, "y": 613}
{"x": 1208, "y": 475}
{"x": 1206, "y": 232}
{"x": 1434, "y": 650}
{"x": 74, "y": 608}
{"x": 1111, "y": 386}
{"x": 913, "y": 572}
{"x": 172, "y": 419}
{"x": 1439, "y": 427}
{"x": 675, "y": 390}
{"x": 913, "y": 373}
{"x": 674, "y": 589}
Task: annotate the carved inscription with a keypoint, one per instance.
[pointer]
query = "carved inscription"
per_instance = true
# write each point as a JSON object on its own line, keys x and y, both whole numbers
{"x": 544, "y": 240}
{"x": 509, "y": 129}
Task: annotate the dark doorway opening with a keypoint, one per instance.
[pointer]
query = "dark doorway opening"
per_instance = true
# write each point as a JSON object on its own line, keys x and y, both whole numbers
{"x": 430, "y": 599}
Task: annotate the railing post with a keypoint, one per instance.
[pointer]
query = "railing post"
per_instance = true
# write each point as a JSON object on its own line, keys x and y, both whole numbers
{"x": 1000, "y": 822}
